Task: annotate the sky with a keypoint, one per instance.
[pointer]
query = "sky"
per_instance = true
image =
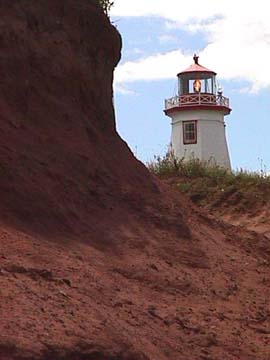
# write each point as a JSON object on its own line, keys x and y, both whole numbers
{"x": 159, "y": 40}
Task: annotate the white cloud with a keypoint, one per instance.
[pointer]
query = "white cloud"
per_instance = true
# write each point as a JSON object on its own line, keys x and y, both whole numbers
{"x": 165, "y": 39}
{"x": 122, "y": 89}
{"x": 134, "y": 51}
{"x": 156, "y": 67}
{"x": 171, "y": 9}
{"x": 237, "y": 33}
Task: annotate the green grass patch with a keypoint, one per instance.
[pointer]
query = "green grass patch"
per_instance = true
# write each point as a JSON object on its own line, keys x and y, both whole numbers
{"x": 209, "y": 183}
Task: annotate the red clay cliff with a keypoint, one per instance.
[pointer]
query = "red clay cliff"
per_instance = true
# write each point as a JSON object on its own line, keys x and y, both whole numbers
{"x": 98, "y": 259}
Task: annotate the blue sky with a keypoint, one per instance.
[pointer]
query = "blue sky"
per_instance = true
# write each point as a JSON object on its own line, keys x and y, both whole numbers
{"x": 159, "y": 40}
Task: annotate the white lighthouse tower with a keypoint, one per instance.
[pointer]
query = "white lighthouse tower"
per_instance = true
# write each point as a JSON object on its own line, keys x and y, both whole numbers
{"x": 197, "y": 114}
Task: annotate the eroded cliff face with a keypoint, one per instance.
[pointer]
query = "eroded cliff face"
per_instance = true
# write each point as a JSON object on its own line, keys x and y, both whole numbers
{"x": 63, "y": 166}
{"x": 98, "y": 260}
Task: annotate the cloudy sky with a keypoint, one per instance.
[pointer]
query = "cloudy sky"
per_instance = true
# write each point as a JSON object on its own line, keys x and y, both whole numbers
{"x": 159, "y": 40}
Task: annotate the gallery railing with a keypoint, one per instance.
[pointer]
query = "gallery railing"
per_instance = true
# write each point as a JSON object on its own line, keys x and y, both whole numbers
{"x": 197, "y": 99}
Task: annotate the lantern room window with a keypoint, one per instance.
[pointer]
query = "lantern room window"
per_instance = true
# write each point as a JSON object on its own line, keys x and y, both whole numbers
{"x": 190, "y": 132}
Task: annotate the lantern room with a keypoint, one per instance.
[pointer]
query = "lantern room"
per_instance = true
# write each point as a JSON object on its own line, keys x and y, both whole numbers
{"x": 196, "y": 79}
{"x": 197, "y": 87}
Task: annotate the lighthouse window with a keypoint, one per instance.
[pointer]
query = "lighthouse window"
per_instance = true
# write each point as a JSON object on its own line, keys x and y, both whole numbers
{"x": 189, "y": 132}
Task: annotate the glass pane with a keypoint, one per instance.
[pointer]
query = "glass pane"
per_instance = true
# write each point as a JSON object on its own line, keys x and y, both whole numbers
{"x": 190, "y": 87}
{"x": 189, "y": 132}
{"x": 189, "y": 127}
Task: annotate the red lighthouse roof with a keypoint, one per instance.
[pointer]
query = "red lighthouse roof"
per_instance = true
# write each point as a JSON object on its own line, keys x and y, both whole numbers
{"x": 196, "y": 67}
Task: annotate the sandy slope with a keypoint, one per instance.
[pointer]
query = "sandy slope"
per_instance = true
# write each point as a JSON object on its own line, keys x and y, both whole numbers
{"x": 98, "y": 259}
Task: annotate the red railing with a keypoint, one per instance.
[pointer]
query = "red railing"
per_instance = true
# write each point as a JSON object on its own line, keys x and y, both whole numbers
{"x": 197, "y": 99}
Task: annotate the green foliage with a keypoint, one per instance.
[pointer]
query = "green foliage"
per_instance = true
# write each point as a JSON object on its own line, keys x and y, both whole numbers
{"x": 170, "y": 165}
{"x": 208, "y": 182}
{"x": 184, "y": 187}
{"x": 106, "y": 5}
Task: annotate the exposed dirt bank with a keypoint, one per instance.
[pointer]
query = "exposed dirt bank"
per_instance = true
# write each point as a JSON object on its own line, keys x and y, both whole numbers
{"x": 98, "y": 259}
{"x": 245, "y": 203}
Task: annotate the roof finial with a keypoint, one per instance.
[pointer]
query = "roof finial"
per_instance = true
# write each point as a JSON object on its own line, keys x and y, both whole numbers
{"x": 196, "y": 59}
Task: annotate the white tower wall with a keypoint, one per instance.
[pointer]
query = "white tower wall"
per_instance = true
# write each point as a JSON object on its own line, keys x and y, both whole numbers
{"x": 211, "y": 143}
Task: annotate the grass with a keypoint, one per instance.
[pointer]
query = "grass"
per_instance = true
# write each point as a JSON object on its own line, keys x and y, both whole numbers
{"x": 106, "y": 5}
{"x": 209, "y": 184}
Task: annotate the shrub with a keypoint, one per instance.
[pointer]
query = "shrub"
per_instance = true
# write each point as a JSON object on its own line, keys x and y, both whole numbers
{"x": 106, "y": 5}
{"x": 206, "y": 177}
{"x": 171, "y": 165}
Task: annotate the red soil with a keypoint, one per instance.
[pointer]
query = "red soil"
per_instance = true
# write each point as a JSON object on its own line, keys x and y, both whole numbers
{"x": 98, "y": 259}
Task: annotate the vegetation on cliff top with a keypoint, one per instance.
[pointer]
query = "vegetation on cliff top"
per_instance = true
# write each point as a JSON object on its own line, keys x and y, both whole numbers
{"x": 209, "y": 184}
{"x": 106, "y": 5}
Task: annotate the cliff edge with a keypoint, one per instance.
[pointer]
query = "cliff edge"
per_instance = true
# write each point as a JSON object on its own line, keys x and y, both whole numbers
{"x": 98, "y": 259}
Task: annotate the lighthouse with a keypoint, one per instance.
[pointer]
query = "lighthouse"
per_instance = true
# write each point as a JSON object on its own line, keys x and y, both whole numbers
{"x": 197, "y": 117}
